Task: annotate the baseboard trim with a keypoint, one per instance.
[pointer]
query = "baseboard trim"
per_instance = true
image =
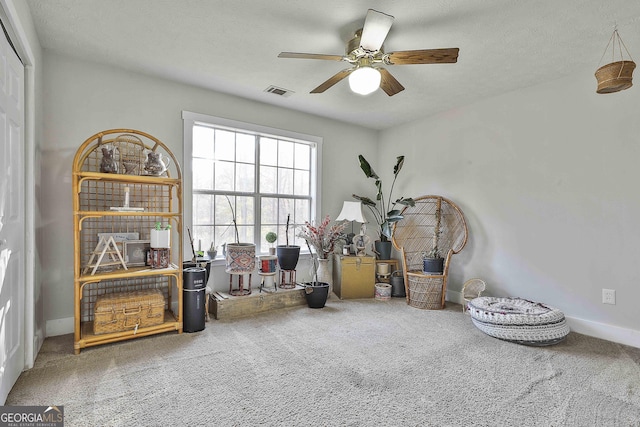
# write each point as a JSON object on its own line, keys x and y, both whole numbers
{"x": 604, "y": 331}
{"x": 57, "y": 327}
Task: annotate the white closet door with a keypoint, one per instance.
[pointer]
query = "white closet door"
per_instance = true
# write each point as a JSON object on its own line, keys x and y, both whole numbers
{"x": 12, "y": 218}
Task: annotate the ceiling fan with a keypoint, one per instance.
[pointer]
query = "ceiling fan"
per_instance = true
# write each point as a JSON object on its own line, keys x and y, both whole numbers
{"x": 366, "y": 55}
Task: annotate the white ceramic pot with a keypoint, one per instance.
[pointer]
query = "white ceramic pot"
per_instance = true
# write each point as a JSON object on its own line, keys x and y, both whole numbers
{"x": 160, "y": 239}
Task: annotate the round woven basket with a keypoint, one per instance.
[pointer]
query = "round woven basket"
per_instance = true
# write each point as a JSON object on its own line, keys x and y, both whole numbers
{"x": 425, "y": 293}
{"x": 615, "y": 76}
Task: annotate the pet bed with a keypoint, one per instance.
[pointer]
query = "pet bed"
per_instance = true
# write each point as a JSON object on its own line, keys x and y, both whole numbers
{"x": 518, "y": 320}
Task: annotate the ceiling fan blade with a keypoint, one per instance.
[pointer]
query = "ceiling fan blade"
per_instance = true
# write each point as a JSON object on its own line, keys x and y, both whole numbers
{"x": 388, "y": 83}
{"x": 333, "y": 80}
{"x": 424, "y": 56}
{"x": 375, "y": 30}
{"x": 310, "y": 56}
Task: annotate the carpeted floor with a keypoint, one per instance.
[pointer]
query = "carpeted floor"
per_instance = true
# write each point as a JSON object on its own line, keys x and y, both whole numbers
{"x": 353, "y": 363}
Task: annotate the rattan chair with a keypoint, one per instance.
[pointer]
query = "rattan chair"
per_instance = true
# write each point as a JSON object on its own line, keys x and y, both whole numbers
{"x": 414, "y": 235}
{"x": 471, "y": 289}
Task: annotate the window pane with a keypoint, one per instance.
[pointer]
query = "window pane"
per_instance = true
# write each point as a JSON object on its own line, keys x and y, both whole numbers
{"x": 301, "y": 183}
{"x": 302, "y": 156}
{"x": 285, "y": 181}
{"x": 202, "y": 174}
{"x": 245, "y": 178}
{"x": 223, "y": 215}
{"x": 285, "y": 154}
{"x": 285, "y": 207}
{"x": 202, "y": 238}
{"x": 225, "y": 145}
{"x": 303, "y": 210}
{"x": 244, "y": 211}
{"x": 245, "y": 148}
{"x": 202, "y": 142}
{"x": 268, "y": 179}
{"x": 224, "y": 176}
{"x": 268, "y": 151}
{"x": 269, "y": 211}
{"x": 202, "y": 209}
{"x": 246, "y": 234}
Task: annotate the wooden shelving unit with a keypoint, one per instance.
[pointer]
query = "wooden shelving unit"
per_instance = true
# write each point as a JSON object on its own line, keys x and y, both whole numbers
{"x": 151, "y": 199}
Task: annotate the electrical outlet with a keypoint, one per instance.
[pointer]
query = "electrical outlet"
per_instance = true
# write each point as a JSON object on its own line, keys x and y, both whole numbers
{"x": 608, "y": 296}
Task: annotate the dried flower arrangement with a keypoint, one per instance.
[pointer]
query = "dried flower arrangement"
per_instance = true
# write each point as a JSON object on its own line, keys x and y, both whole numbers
{"x": 322, "y": 237}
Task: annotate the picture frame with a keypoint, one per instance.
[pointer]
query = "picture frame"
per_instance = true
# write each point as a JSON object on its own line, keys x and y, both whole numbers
{"x": 135, "y": 252}
{"x": 120, "y": 237}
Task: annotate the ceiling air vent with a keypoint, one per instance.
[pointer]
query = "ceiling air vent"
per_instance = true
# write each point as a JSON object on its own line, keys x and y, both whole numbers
{"x": 279, "y": 91}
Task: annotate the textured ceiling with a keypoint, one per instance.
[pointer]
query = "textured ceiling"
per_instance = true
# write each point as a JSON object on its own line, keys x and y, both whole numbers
{"x": 232, "y": 46}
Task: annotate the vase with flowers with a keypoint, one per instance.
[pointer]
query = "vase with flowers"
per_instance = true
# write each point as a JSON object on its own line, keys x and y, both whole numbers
{"x": 322, "y": 239}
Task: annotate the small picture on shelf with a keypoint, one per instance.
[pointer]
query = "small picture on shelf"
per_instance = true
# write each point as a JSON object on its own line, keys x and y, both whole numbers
{"x": 135, "y": 252}
{"x": 119, "y": 238}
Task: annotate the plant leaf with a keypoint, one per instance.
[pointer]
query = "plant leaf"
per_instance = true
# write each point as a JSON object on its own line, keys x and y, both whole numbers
{"x": 385, "y": 229}
{"x": 398, "y": 166}
{"x": 379, "y": 186}
{"x": 406, "y": 202}
{"x": 366, "y": 168}
{"x": 394, "y": 218}
{"x": 392, "y": 213}
{"x": 365, "y": 200}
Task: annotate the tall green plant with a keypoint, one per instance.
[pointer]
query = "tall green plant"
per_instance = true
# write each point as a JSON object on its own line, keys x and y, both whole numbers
{"x": 384, "y": 210}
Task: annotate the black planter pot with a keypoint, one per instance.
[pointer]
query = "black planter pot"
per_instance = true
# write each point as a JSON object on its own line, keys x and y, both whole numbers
{"x": 383, "y": 249}
{"x": 288, "y": 256}
{"x": 433, "y": 265}
{"x": 316, "y": 294}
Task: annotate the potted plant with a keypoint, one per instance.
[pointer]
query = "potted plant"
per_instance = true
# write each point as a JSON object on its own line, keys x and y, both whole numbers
{"x": 315, "y": 292}
{"x": 432, "y": 261}
{"x": 160, "y": 236}
{"x": 384, "y": 210}
{"x": 213, "y": 251}
{"x": 271, "y": 237}
{"x": 323, "y": 239}
{"x": 240, "y": 257}
{"x": 288, "y": 254}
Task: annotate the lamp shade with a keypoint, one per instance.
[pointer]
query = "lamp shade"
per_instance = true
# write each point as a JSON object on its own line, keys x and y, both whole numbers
{"x": 351, "y": 211}
{"x": 364, "y": 80}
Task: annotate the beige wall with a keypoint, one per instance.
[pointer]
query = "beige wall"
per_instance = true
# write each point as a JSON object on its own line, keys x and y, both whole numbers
{"x": 548, "y": 180}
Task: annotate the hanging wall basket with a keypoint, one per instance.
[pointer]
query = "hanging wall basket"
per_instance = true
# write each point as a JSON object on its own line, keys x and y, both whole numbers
{"x": 617, "y": 75}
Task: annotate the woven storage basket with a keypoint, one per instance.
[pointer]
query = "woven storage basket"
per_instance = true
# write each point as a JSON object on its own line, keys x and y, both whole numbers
{"x": 615, "y": 76}
{"x": 125, "y": 311}
{"x": 425, "y": 293}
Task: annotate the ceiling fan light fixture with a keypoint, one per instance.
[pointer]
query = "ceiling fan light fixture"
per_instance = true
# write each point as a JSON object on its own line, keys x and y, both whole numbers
{"x": 364, "y": 80}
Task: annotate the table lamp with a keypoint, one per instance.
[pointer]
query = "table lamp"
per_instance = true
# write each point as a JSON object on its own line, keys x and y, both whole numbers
{"x": 351, "y": 211}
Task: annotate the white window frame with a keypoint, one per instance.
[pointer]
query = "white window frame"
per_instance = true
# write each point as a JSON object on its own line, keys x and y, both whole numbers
{"x": 190, "y": 119}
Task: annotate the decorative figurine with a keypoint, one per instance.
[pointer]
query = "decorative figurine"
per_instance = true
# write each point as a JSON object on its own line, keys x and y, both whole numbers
{"x": 155, "y": 165}
{"x": 362, "y": 241}
{"x": 108, "y": 163}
